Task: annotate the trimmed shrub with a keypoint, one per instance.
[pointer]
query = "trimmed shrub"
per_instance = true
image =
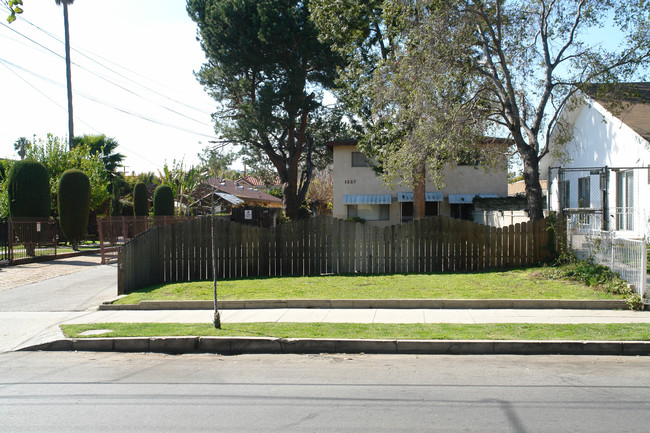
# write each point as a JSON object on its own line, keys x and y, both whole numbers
{"x": 163, "y": 201}
{"x": 74, "y": 205}
{"x": 140, "y": 200}
{"x": 29, "y": 190}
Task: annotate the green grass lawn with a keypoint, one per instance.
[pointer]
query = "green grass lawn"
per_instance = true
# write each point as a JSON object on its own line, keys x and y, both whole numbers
{"x": 442, "y": 331}
{"x": 530, "y": 283}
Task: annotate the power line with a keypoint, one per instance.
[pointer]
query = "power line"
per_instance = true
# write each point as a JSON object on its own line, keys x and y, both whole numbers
{"x": 118, "y": 73}
{"x": 109, "y": 81}
{"x": 111, "y": 105}
{"x": 4, "y": 63}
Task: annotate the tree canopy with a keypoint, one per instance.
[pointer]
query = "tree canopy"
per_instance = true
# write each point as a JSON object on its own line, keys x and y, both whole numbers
{"x": 267, "y": 69}
{"x": 56, "y": 157}
{"x": 519, "y": 63}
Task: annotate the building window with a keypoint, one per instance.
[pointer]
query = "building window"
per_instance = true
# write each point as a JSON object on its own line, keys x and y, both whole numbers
{"x": 359, "y": 160}
{"x": 584, "y": 192}
{"x": 430, "y": 209}
{"x": 625, "y": 200}
{"x": 369, "y": 212}
{"x": 565, "y": 195}
{"x": 462, "y": 211}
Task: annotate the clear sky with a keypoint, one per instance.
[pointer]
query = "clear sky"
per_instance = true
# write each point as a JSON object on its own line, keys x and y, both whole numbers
{"x": 132, "y": 79}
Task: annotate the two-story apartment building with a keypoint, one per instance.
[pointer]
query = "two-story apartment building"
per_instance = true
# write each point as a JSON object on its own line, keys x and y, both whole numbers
{"x": 360, "y": 192}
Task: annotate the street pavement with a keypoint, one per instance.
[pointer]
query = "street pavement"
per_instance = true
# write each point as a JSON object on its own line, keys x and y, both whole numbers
{"x": 36, "y": 298}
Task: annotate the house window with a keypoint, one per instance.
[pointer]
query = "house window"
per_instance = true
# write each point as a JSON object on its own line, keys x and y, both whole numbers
{"x": 584, "y": 192}
{"x": 462, "y": 211}
{"x": 369, "y": 212}
{"x": 565, "y": 194}
{"x": 625, "y": 200}
{"x": 430, "y": 209}
{"x": 359, "y": 160}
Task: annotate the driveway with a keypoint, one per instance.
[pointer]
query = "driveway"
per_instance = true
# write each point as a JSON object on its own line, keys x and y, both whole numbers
{"x": 35, "y": 298}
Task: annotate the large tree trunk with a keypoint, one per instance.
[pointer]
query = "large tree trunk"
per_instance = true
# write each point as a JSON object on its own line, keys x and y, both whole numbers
{"x": 290, "y": 193}
{"x": 419, "y": 191}
{"x": 533, "y": 187}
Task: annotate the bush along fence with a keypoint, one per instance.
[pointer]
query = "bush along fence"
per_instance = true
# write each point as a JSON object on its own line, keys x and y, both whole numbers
{"x": 324, "y": 245}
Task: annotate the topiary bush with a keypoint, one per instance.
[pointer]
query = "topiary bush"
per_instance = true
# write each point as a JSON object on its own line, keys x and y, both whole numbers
{"x": 140, "y": 200}
{"x": 28, "y": 193}
{"x": 74, "y": 205}
{"x": 29, "y": 190}
{"x": 163, "y": 201}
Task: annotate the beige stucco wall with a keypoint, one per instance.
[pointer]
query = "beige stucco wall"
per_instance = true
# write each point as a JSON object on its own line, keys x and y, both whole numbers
{"x": 363, "y": 180}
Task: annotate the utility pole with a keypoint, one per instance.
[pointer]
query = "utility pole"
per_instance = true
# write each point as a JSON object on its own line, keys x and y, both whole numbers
{"x": 67, "y": 68}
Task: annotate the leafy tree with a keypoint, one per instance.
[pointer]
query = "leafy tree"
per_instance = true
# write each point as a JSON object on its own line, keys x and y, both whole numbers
{"x": 5, "y": 166}
{"x": 14, "y": 9}
{"x": 523, "y": 61}
{"x": 182, "y": 182}
{"x": 55, "y": 156}
{"x": 321, "y": 192}
{"x": 396, "y": 115}
{"x": 103, "y": 146}
{"x": 74, "y": 205}
{"x": 266, "y": 68}
{"x": 215, "y": 162}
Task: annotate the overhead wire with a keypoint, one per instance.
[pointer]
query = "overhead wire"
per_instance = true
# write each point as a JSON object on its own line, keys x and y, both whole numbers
{"x": 44, "y": 48}
{"x": 116, "y": 72}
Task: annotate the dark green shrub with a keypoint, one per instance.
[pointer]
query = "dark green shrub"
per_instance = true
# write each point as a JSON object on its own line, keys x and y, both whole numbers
{"x": 140, "y": 200}
{"x": 74, "y": 205}
{"x": 29, "y": 190}
{"x": 163, "y": 201}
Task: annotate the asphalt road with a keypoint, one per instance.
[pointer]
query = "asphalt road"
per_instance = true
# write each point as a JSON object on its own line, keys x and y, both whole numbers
{"x": 104, "y": 392}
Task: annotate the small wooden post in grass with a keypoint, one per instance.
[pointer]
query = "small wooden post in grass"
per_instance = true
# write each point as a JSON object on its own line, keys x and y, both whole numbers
{"x": 217, "y": 316}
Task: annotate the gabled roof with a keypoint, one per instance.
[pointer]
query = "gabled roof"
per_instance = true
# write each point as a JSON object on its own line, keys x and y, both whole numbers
{"x": 242, "y": 191}
{"x": 630, "y": 102}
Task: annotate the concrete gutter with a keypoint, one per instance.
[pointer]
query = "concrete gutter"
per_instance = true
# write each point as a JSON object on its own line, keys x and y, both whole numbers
{"x": 256, "y": 345}
{"x": 538, "y": 304}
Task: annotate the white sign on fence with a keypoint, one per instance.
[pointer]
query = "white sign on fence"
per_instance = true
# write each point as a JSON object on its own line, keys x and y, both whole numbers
{"x": 248, "y": 214}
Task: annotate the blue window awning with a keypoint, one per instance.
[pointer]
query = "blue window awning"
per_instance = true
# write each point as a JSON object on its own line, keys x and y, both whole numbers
{"x": 367, "y": 199}
{"x": 461, "y": 198}
{"x": 428, "y": 196}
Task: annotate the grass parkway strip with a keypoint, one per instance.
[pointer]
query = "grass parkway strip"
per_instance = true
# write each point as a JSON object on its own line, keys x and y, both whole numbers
{"x": 436, "y": 331}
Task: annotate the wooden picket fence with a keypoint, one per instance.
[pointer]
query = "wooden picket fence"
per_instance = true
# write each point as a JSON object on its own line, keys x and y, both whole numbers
{"x": 324, "y": 245}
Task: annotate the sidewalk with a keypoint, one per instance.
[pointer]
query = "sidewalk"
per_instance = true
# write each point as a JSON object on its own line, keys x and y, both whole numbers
{"x": 350, "y": 315}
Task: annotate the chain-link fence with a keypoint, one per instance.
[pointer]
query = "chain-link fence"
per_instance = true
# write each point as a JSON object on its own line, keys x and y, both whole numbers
{"x": 603, "y": 198}
{"x": 607, "y": 216}
{"x": 627, "y": 257}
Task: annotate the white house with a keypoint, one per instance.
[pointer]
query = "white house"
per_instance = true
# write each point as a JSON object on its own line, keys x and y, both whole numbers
{"x": 603, "y": 172}
{"x": 360, "y": 192}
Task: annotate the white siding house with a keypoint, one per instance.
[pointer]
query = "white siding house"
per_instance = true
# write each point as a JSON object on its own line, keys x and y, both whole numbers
{"x": 360, "y": 192}
{"x": 602, "y": 173}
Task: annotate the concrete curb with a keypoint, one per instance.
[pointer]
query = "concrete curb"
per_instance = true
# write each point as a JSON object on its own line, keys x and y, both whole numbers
{"x": 257, "y": 345}
{"x": 537, "y": 304}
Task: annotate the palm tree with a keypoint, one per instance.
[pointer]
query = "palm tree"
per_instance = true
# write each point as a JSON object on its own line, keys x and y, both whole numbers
{"x": 105, "y": 147}
{"x": 21, "y": 145}
{"x": 67, "y": 66}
